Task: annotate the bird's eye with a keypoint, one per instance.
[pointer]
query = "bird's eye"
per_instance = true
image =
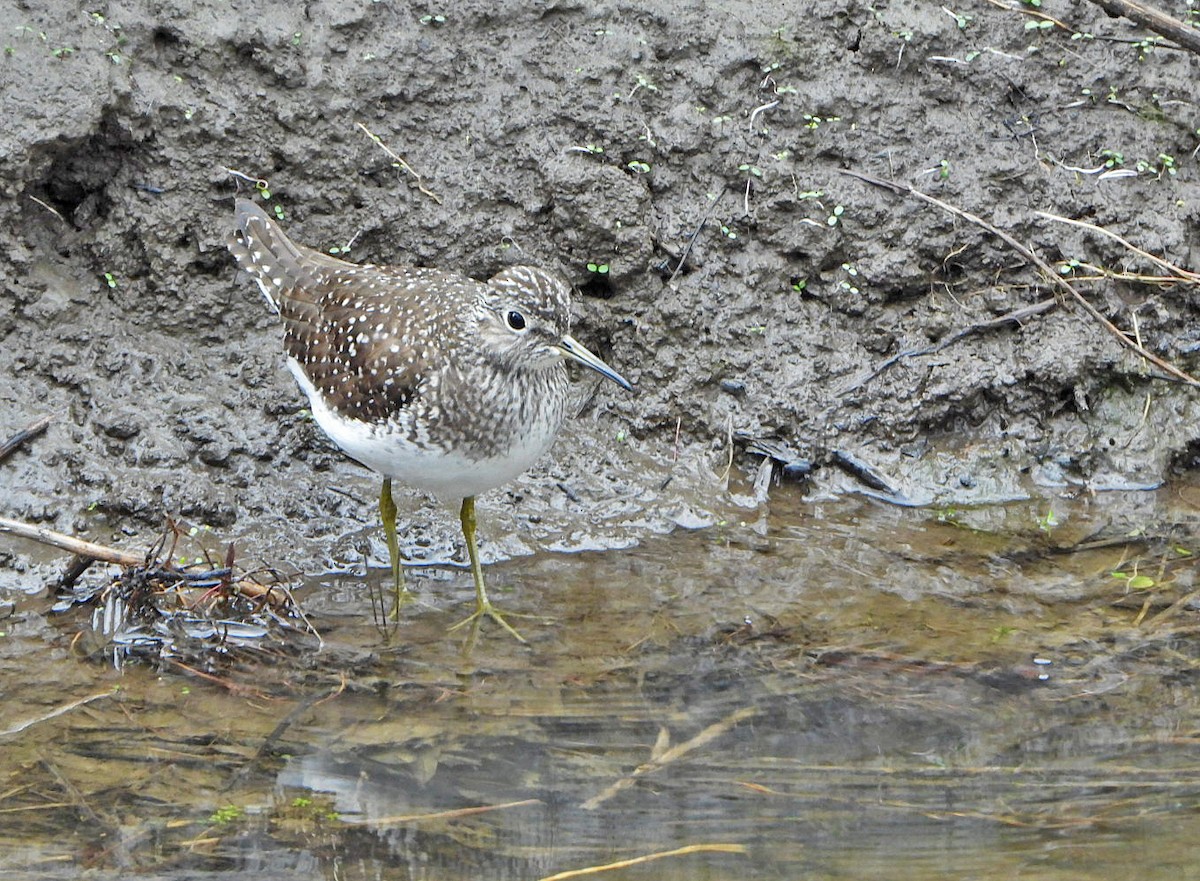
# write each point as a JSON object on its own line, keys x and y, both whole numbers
{"x": 515, "y": 320}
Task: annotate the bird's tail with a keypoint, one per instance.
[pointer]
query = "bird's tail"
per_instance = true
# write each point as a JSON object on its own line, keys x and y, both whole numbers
{"x": 263, "y": 250}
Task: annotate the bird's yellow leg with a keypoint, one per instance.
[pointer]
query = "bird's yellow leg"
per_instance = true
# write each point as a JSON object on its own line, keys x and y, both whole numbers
{"x": 483, "y": 605}
{"x": 387, "y": 512}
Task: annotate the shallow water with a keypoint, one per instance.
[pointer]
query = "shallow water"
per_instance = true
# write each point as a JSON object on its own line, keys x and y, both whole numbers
{"x": 840, "y": 689}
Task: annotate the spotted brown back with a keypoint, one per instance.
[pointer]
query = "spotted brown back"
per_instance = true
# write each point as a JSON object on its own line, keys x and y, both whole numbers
{"x": 360, "y": 333}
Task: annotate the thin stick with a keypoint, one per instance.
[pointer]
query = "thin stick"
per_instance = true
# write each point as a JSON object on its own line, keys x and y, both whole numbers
{"x": 699, "y": 228}
{"x": 1015, "y": 317}
{"x": 77, "y": 546}
{"x": 26, "y": 434}
{"x": 400, "y": 162}
{"x": 54, "y": 714}
{"x": 1178, "y": 272}
{"x": 709, "y": 734}
{"x": 50, "y": 208}
{"x": 637, "y": 861}
{"x": 443, "y": 815}
{"x": 1153, "y": 20}
{"x": 1048, "y": 271}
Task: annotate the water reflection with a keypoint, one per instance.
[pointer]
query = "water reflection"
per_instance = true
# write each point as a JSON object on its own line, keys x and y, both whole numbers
{"x": 845, "y": 689}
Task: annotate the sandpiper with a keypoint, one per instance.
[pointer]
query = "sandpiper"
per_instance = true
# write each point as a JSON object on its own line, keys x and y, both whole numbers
{"x": 430, "y": 378}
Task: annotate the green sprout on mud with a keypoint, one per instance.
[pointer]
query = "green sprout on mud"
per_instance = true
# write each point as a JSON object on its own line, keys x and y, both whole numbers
{"x": 1036, "y": 4}
{"x": 278, "y": 211}
{"x": 750, "y": 169}
{"x": 1039, "y": 25}
{"x": 641, "y": 81}
{"x": 728, "y": 231}
{"x": 1144, "y": 47}
{"x": 1069, "y": 267}
{"x": 836, "y": 217}
{"x": 296, "y": 37}
{"x": 949, "y": 515}
{"x": 812, "y": 123}
{"x": 434, "y": 20}
{"x": 1112, "y": 159}
{"x": 1134, "y": 581}
{"x": 63, "y": 51}
{"x": 638, "y": 167}
{"x": 799, "y": 283}
{"x": 598, "y": 268}
{"x": 960, "y": 18}
{"x": 227, "y": 814}
{"x": 848, "y": 285}
{"x": 1166, "y": 165}
{"x": 944, "y": 169}
{"x": 263, "y": 188}
{"x": 110, "y": 279}
{"x": 1048, "y": 521}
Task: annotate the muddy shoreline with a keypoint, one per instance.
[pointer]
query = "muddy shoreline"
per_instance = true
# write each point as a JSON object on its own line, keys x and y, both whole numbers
{"x": 599, "y": 135}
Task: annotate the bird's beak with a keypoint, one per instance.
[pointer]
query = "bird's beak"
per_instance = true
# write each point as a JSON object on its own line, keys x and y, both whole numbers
{"x": 574, "y": 350}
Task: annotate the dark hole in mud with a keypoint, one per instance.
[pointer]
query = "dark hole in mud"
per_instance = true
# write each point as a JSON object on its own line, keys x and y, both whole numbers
{"x": 165, "y": 37}
{"x": 599, "y": 287}
{"x": 76, "y": 184}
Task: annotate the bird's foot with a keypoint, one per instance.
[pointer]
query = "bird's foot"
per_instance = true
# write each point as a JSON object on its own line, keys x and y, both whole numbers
{"x": 486, "y": 609}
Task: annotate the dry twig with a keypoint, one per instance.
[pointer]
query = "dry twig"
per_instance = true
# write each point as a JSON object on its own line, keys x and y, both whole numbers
{"x": 76, "y": 546}
{"x": 26, "y": 434}
{"x": 442, "y": 815}
{"x": 637, "y": 861}
{"x": 663, "y": 757}
{"x": 1153, "y": 20}
{"x": 400, "y": 162}
{"x": 1047, "y": 271}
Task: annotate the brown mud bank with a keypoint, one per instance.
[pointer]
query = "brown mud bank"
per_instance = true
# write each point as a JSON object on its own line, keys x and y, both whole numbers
{"x": 681, "y": 163}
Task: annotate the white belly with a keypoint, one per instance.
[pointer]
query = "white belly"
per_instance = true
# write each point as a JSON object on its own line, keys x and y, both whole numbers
{"x": 447, "y": 474}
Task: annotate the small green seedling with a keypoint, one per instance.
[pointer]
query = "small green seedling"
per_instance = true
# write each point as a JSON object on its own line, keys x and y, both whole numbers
{"x": 960, "y": 18}
{"x": 1048, "y": 521}
{"x": 598, "y": 268}
{"x": 110, "y": 279}
{"x": 1134, "y": 581}
{"x": 227, "y": 814}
